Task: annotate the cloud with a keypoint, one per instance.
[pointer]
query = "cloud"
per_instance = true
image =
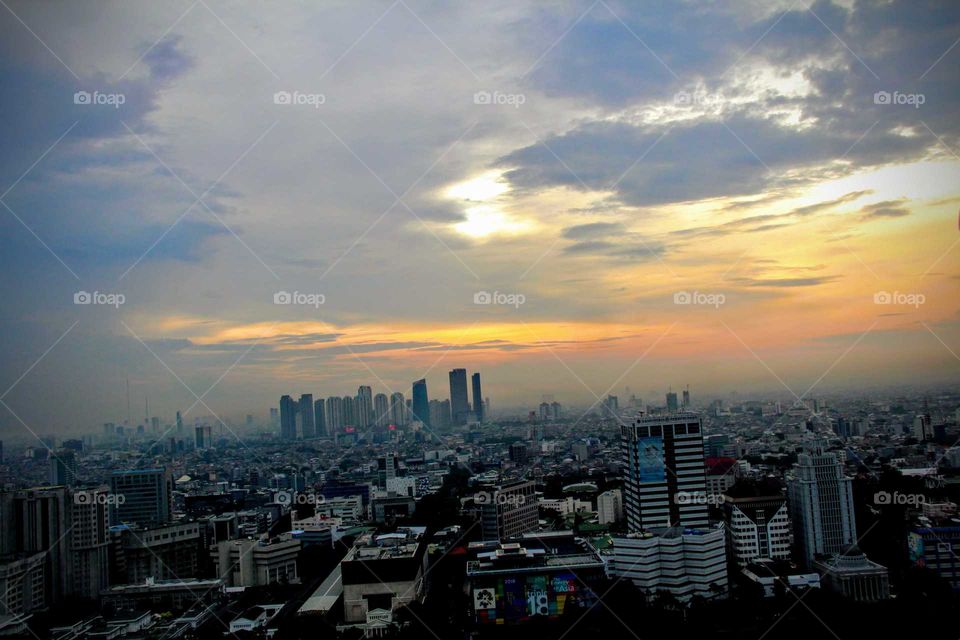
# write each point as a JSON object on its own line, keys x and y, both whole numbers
{"x": 886, "y": 209}
{"x": 788, "y": 282}
{"x": 593, "y": 230}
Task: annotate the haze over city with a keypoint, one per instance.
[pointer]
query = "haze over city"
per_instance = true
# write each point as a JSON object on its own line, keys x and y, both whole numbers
{"x": 503, "y": 320}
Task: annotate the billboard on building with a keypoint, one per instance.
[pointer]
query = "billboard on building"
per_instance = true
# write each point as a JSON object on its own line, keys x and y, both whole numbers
{"x": 650, "y": 462}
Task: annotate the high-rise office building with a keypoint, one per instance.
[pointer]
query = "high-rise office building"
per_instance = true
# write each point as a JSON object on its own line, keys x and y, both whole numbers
{"x": 180, "y": 432}
{"x": 143, "y": 496}
{"x": 686, "y": 398}
{"x": 334, "y": 415}
{"x": 349, "y": 406}
{"x": 672, "y": 402}
{"x": 90, "y": 542}
{"x": 664, "y": 478}
{"x": 37, "y": 522}
{"x": 203, "y": 436}
{"x": 381, "y": 410}
{"x": 320, "y": 417}
{"x": 307, "y": 419}
{"x": 821, "y": 504}
{"x": 612, "y": 406}
{"x": 398, "y": 409}
{"x": 459, "y": 403}
{"x": 477, "y": 397}
{"x": 288, "y": 418}
{"x": 364, "y": 406}
{"x": 508, "y": 510}
{"x": 420, "y": 406}
{"x": 440, "y": 414}
{"x": 274, "y": 417}
{"x": 63, "y": 468}
{"x": 544, "y": 411}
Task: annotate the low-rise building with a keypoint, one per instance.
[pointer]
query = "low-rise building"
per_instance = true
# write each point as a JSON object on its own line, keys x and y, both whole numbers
{"x": 383, "y": 572}
{"x": 685, "y": 562}
{"x": 255, "y": 563}
{"x": 532, "y": 576}
{"x": 853, "y": 576}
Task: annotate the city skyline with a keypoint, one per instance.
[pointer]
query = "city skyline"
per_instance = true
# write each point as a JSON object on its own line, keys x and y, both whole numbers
{"x": 752, "y": 192}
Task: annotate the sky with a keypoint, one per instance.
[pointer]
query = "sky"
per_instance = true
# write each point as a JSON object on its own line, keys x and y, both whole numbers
{"x": 224, "y": 202}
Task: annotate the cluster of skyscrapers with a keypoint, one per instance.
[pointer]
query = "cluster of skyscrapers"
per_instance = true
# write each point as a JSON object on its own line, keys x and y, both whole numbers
{"x": 307, "y": 418}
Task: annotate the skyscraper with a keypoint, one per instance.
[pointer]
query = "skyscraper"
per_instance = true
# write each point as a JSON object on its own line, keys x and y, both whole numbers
{"x": 381, "y": 410}
{"x": 349, "y": 412}
{"x": 320, "y": 417}
{"x": 664, "y": 479}
{"x": 686, "y": 398}
{"x": 307, "y": 419}
{"x": 459, "y": 403}
{"x": 90, "y": 542}
{"x": 364, "y": 406}
{"x": 421, "y": 405}
{"x": 477, "y": 397}
{"x": 38, "y": 521}
{"x": 821, "y": 504}
{"x": 334, "y": 415}
{"x": 203, "y": 436}
{"x": 63, "y": 468}
{"x": 288, "y": 418}
{"x": 398, "y": 409}
{"x": 672, "y": 402}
